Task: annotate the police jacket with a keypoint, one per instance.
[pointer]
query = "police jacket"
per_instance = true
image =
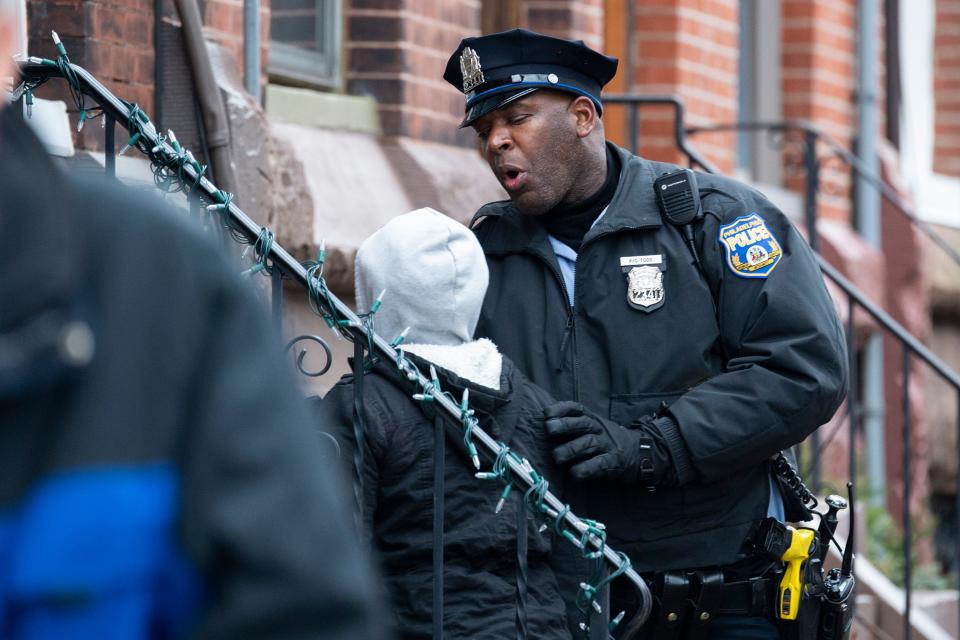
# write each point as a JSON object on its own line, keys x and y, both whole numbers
{"x": 745, "y": 357}
{"x": 480, "y": 557}
{"x": 158, "y": 477}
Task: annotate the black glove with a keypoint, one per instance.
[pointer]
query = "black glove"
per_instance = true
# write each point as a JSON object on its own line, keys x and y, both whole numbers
{"x": 597, "y": 448}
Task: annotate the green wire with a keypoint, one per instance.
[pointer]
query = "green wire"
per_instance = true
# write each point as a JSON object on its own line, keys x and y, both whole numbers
{"x": 169, "y": 172}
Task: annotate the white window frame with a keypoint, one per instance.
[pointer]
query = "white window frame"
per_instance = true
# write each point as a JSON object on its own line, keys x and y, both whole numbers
{"x": 936, "y": 195}
{"x": 20, "y": 36}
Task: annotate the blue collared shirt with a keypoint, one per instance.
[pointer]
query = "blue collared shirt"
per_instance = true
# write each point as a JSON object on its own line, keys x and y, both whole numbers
{"x": 567, "y": 261}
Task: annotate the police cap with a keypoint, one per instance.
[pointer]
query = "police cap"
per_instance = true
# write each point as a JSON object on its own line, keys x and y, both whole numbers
{"x": 496, "y": 69}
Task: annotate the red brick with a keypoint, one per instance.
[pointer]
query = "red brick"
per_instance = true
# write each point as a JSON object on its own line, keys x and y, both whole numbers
{"x": 99, "y": 59}
{"x": 138, "y": 30}
{"x": 110, "y": 23}
{"x": 365, "y": 28}
{"x": 66, "y": 19}
{"x": 818, "y": 61}
{"x": 144, "y": 68}
{"x": 688, "y": 47}
{"x": 221, "y": 16}
{"x": 946, "y": 73}
{"x": 397, "y": 52}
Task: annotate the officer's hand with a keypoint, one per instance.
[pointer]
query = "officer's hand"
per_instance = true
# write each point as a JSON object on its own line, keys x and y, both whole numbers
{"x": 597, "y": 448}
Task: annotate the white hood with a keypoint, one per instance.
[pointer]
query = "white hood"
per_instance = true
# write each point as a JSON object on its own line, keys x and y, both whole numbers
{"x": 434, "y": 273}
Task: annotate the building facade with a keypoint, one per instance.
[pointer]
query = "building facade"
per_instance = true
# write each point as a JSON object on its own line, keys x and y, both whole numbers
{"x": 353, "y": 125}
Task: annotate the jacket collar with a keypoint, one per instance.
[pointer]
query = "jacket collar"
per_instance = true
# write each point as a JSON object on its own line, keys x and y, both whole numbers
{"x": 485, "y": 402}
{"x": 482, "y": 399}
{"x": 633, "y": 207}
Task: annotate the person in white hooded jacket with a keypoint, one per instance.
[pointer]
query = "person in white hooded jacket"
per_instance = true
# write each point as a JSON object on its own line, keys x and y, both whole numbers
{"x": 435, "y": 277}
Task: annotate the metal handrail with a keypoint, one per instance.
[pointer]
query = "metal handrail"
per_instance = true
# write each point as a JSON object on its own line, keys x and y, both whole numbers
{"x": 520, "y": 470}
{"x": 851, "y": 159}
{"x": 885, "y": 320}
{"x": 679, "y": 133}
{"x": 910, "y": 344}
{"x": 882, "y": 317}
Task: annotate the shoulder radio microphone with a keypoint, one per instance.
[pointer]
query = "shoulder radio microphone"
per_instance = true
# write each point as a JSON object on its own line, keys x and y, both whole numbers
{"x": 679, "y": 201}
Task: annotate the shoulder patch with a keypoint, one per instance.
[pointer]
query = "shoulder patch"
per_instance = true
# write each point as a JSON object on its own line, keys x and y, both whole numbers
{"x": 752, "y": 251}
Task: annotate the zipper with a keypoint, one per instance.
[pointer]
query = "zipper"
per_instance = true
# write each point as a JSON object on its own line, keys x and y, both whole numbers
{"x": 571, "y": 320}
{"x": 576, "y": 361}
{"x": 570, "y": 331}
{"x": 566, "y": 339}
{"x": 572, "y": 324}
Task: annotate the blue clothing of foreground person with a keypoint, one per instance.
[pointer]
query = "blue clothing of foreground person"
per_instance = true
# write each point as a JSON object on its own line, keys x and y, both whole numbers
{"x": 157, "y": 479}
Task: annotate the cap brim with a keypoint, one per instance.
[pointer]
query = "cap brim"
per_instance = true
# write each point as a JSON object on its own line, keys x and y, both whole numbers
{"x": 493, "y": 103}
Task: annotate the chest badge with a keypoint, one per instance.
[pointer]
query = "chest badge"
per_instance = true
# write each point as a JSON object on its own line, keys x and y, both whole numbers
{"x": 752, "y": 251}
{"x": 644, "y": 275}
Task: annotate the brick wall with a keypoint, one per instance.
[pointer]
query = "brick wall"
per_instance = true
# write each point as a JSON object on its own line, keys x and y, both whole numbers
{"x": 571, "y": 19}
{"x": 397, "y": 51}
{"x": 683, "y": 47}
{"x": 691, "y": 48}
{"x": 113, "y": 39}
{"x": 946, "y": 86}
{"x": 223, "y": 23}
{"x": 819, "y": 70}
{"x": 819, "y": 79}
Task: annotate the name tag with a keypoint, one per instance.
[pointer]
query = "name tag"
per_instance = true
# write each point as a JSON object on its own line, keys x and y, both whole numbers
{"x": 639, "y": 261}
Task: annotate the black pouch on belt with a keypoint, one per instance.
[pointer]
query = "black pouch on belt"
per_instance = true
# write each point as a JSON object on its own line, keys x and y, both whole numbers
{"x": 674, "y": 589}
{"x": 708, "y": 598}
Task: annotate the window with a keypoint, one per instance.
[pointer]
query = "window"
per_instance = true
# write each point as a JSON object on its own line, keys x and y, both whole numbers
{"x": 20, "y": 27}
{"x": 758, "y": 93}
{"x": 305, "y": 42}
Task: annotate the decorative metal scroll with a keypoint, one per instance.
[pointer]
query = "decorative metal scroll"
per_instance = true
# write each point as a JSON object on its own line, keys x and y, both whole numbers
{"x": 328, "y": 354}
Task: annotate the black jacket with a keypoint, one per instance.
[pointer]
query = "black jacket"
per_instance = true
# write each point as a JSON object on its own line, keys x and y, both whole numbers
{"x": 480, "y": 546}
{"x": 746, "y": 365}
{"x": 157, "y": 474}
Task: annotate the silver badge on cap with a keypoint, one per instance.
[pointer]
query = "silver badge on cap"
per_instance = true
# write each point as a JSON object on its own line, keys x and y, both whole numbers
{"x": 470, "y": 68}
{"x": 644, "y": 281}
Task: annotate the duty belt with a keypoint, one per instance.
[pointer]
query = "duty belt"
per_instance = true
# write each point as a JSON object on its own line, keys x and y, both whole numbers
{"x": 690, "y": 600}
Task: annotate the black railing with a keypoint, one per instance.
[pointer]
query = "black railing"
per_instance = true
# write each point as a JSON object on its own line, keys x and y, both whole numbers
{"x": 633, "y": 104}
{"x": 176, "y": 170}
{"x": 810, "y": 138}
{"x": 813, "y": 137}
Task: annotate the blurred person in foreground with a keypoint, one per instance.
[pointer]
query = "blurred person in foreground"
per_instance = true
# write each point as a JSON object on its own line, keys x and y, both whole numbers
{"x": 435, "y": 277}
{"x": 156, "y": 479}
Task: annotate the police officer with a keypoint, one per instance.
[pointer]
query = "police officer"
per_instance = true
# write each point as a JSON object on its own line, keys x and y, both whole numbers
{"x": 683, "y": 366}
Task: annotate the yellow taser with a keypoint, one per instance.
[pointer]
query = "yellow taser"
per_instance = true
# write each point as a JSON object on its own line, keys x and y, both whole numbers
{"x": 795, "y": 557}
